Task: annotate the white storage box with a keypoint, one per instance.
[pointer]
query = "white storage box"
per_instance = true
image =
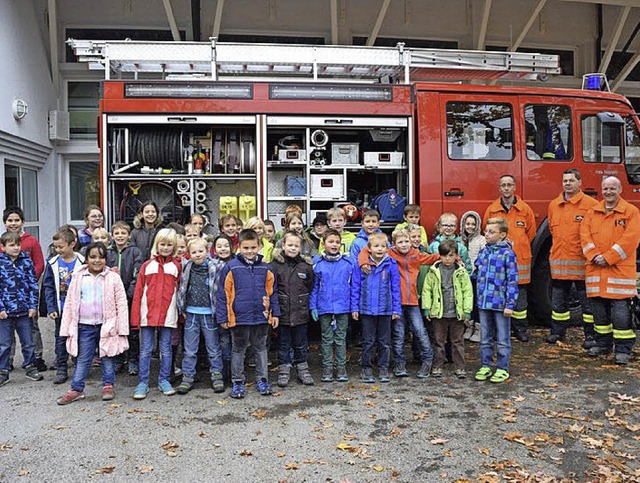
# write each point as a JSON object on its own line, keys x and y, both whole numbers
{"x": 327, "y": 186}
{"x": 278, "y": 220}
{"x": 292, "y": 155}
{"x": 343, "y": 154}
{"x": 384, "y": 158}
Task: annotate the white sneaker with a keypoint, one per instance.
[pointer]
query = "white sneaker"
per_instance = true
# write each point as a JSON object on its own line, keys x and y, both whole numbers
{"x": 475, "y": 337}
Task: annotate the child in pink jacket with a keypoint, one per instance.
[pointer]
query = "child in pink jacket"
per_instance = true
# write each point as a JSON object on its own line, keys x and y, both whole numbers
{"x": 95, "y": 314}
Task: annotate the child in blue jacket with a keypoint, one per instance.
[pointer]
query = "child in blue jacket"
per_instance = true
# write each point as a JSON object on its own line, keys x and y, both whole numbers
{"x": 376, "y": 296}
{"x": 497, "y": 290}
{"x": 330, "y": 303}
{"x": 18, "y": 305}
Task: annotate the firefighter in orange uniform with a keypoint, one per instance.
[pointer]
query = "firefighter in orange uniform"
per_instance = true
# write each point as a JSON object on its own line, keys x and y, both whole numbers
{"x": 610, "y": 233}
{"x": 567, "y": 262}
{"x": 522, "y": 230}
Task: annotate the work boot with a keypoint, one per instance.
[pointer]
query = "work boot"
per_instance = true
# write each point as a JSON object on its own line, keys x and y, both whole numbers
{"x": 553, "y": 338}
{"x": 304, "y": 375}
{"x": 596, "y": 351}
{"x": 622, "y": 359}
{"x": 588, "y": 343}
{"x": 284, "y": 374}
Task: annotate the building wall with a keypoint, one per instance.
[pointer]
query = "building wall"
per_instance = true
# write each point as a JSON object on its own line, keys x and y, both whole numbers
{"x": 25, "y": 75}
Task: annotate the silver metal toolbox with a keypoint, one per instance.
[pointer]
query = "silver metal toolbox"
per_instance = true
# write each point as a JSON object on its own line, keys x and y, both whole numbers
{"x": 345, "y": 153}
{"x": 384, "y": 158}
{"x": 327, "y": 186}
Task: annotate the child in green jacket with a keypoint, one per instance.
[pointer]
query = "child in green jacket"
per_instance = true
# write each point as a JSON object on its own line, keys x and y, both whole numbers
{"x": 447, "y": 298}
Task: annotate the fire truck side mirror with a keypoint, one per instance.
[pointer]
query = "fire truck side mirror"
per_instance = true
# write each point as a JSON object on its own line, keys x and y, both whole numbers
{"x": 610, "y": 118}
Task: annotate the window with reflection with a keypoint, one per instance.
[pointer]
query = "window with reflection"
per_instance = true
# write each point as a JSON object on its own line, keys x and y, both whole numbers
{"x": 548, "y": 133}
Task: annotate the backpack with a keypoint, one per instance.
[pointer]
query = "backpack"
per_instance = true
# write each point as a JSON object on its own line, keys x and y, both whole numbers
{"x": 390, "y": 205}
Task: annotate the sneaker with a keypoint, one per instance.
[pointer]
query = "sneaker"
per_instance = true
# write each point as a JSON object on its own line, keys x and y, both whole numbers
{"x": 588, "y": 343}
{"x": 499, "y": 376}
{"x": 461, "y": 373}
{"x": 553, "y": 338}
{"x": 468, "y": 332}
{"x": 284, "y": 374}
{"x": 69, "y": 397}
{"x": 237, "y": 389}
{"x": 304, "y": 376}
{"x": 622, "y": 359}
{"x": 383, "y": 375}
{"x": 264, "y": 387}
{"x": 483, "y": 373}
{"x": 33, "y": 373}
{"x": 107, "y": 392}
{"x": 177, "y": 371}
{"x": 400, "y": 370}
{"x": 166, "y": 388}
{"x": 141, "y": 390}
{"x": 41, "y": 365}
{"x": 217, "y": 382}
{"x": 342, "y": 375}
{"x": 133, "y": 369}
{"x": 596, "y": 351}
{"x": 327, "y": 374}
{"x": 185, "y": 386}
{"x": 424, "y": 371}
{"x": 367, "y": 375}
{"x": 475, "y": 335}
{"x": 436, "y": 372}
{"x": 4, "y": 377}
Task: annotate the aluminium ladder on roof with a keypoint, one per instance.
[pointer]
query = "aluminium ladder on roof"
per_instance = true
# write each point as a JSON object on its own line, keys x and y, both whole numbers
{"x": 216, "y": 60}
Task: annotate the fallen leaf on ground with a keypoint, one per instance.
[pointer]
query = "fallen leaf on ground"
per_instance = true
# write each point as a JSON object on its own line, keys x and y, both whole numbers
{"x": 105, "y": 470}
{"x": 259, "y": 414}
{"x": 344, "y": 446}
{"x": 5, "y": 447}
{"x": 282, "y": 455}
{"x": 170, "y": 445}
{"x": 246, "y": 452}
{"x": 58, "y": 428}
{"x": 116, "y": 405}
{"x": 145, "y": 469}
{"x": 291, "y": 466}
{"x": 485, "y": 451}
{"x": 24, "y": 473}
{"x": 203, "y": 434}
{"x": 439, "y": 441}
{"x": 378, "y": 468}
{"x": 222, "y": 402}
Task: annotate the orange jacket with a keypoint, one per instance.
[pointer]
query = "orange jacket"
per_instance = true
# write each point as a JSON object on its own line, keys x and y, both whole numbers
{"x": 409, "y": 268}
{"x": 565, "y": 216}
{"x": 522, "y": 230}
{"x": 614, "y": 235}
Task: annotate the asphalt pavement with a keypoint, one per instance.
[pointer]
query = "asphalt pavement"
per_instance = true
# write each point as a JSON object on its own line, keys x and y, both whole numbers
{"x": 561, "y": 416}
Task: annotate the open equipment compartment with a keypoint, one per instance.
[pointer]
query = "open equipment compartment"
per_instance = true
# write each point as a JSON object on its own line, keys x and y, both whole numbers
{"x": 321, "y": 162}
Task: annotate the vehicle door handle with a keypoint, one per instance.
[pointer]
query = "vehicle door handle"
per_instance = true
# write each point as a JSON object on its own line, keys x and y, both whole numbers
{"x": 590, "y": 192}
{"x": 454, "y": 192}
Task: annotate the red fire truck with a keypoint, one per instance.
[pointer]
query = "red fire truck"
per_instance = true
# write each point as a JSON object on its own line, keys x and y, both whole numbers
{"x": 249, "y": 129}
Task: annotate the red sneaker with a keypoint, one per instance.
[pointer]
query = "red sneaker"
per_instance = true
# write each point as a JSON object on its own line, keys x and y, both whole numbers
{"x": 70, "y": 396}
{"x": 107, "y": 392}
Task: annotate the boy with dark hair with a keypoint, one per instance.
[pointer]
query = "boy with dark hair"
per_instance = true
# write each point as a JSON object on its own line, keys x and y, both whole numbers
{"x": 127, "y": 259}
{"x": 447, "y": 298}
{"x": 13, "y": 219}
{"x": 370, "y": 225}
{"x": 18, "y": 305}
{"x": 248, "y": 304}
{"x": 412, "y": 217}
{"x": 57, "y": 277}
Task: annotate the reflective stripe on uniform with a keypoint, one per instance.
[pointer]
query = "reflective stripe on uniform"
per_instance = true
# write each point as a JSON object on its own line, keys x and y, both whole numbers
{"x": 620, "y": 251}
{"x": 519, "y": 315}
{"x": 592, "y": 280}
{"x": 603, "y": 329}
{"x": 622, "y": 291}
{"x": 587, "y": 318}
{"x": 560, "y": 316}
{"x": 593, "y": 289}
{"x": 624, "y": 334}
{"x": 588, "y": 247}
{"x": 565, "y": 271}
{"x": 622, "y": 281}
{"x": 566, "y": 262}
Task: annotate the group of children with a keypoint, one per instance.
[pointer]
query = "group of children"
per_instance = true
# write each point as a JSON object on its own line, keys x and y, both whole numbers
{"x": 232, "y": 290}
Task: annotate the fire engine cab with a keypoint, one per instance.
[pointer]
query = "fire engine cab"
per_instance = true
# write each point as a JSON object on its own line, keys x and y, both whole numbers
{"x": 247, "y": 129}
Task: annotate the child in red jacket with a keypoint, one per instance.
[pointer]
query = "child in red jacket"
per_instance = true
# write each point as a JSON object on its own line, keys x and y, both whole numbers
{"x": 154, "y": 309}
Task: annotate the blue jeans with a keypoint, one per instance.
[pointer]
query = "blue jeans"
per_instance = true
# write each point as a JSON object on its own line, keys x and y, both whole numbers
{"x": 411, "y": 314}
{"x": 23, "y": 326}
{"x": 376, "y": 329}
{"x": 494, "y": 326}
{"x": 62, "y": 356}
{"x": 88, "y": 340}
{"x": 292, "y": 337}
{"x": 195, "y": 325}
{"x": 147, "y": 340}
